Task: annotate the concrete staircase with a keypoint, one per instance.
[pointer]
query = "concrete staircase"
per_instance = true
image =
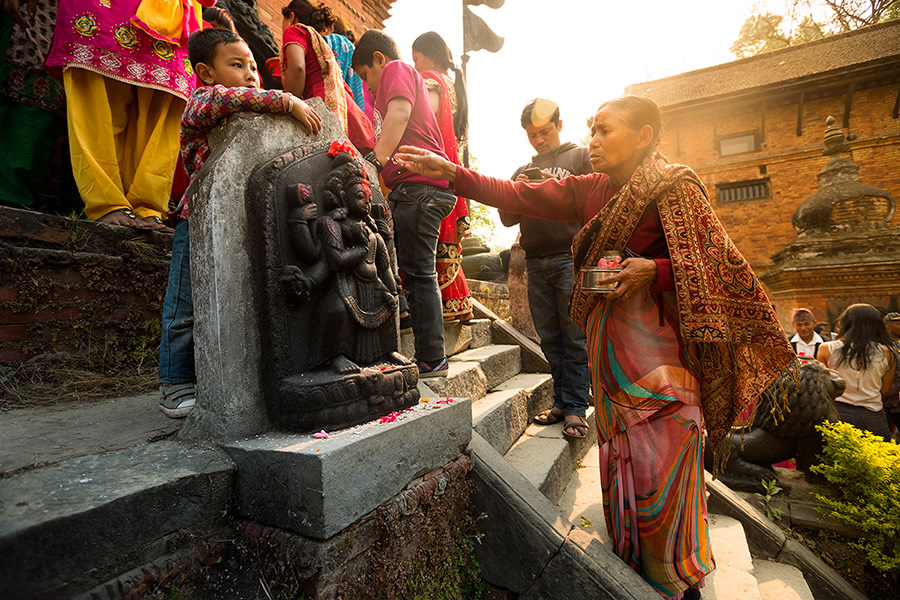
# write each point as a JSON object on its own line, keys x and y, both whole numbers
{"x": 738, "y": 576}
{"x": 566, "y": 472}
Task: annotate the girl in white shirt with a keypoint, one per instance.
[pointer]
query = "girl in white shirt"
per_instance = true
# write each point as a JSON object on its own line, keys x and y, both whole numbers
{"x": 862, "y": 355}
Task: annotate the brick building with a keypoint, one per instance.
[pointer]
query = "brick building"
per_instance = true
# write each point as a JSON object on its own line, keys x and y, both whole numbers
{"x": 360, "y": 15}
{"x": 752, "y": 128}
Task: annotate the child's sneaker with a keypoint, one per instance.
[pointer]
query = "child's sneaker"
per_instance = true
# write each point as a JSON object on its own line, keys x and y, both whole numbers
{"x": 177, "y": 399}
{"x": 438, "y": 370}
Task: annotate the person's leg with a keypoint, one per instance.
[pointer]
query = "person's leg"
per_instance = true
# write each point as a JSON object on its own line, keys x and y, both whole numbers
{"x": 418, "y": 211}
{"x": 574, "y": 387}
{"x": 542, "y": 303}
{"x": 151, "y": 151}
{"x": 97, "y": 114}
{"x": 176, "y": 352}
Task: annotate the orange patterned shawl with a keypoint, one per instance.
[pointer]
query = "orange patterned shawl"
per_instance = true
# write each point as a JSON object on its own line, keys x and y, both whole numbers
{"x": 726, "y": 320}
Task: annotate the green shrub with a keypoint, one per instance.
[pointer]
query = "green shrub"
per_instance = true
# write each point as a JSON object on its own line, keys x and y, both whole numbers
{"x": 866, "y": 471}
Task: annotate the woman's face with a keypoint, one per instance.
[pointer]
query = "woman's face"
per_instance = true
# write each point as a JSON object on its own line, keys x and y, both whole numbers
{"x": 614, "y": 148}
{"x": 422, "y": 62}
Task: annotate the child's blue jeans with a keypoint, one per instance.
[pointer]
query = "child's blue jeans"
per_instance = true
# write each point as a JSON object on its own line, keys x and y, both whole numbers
{"x": 176, "y": 350}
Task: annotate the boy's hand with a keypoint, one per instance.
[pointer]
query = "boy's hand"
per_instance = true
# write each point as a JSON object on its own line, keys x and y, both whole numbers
{"x": 306, "y": 115}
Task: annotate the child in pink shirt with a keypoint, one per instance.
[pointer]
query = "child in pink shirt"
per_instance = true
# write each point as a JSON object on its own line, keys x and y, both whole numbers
{"x": 404, "y": 116}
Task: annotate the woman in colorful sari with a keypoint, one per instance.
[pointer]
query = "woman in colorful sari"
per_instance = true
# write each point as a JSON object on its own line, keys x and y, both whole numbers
{"x": 309, "y": 68}
{"x": 433, "y": 61}
{"x": 688, "y": 338}
{"x": 126, "y": 75}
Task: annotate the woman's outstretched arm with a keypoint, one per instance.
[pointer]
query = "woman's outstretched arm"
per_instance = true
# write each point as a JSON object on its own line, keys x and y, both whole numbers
{"x": 551, "y": 199}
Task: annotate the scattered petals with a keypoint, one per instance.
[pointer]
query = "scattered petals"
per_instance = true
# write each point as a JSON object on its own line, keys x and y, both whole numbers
{"x": 390, "y": 418}
{"x": 586, "y": 522}
{"x": 321, "y": 435}
{"x": 425, "y": 400}
{"x": 444, "y": 401}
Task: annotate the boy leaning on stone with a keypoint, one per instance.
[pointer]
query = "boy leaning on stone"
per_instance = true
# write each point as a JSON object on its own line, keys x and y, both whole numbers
{"x": 230, "y": 84}
{"x": 404, "y": 116}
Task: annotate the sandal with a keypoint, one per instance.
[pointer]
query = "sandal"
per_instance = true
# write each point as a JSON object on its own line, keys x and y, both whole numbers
{"x": 577, "y": 425}
{"x": 551, "y": 416}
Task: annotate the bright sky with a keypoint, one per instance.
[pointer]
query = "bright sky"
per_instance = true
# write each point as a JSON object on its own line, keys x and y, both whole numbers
{"x": 576, "y": 52}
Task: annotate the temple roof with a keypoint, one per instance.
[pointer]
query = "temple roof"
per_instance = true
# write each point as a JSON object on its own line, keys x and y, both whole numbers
{"x": 865, "y": 47}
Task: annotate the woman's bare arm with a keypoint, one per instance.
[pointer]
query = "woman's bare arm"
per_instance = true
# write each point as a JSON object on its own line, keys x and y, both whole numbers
{"x": 294, "y": 75}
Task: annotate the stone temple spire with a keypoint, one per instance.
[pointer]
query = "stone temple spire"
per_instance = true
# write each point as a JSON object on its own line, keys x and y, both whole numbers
{"x": 842, "y": 202}
{"x": 845, "y": 250}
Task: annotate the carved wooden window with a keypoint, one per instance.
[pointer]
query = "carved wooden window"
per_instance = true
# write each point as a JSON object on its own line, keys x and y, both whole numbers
{"x": 757, "y": 189}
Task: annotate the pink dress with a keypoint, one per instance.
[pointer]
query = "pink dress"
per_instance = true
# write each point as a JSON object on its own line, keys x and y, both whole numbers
{"x": 101, "y": 36}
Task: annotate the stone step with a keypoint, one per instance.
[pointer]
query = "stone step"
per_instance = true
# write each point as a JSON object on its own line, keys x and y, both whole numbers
{"x": 502, "y": 415}
{"x": 458, "y": 337}
{"x": 498, "y": 362}
{"x": 733, "y": 577}
{"x": 778, "y": 581}
{"x": 473, "y": 372}
{"x": 69, "y": 527}
{"x": 547, "y": 458}
{"x": 582, "y": 501}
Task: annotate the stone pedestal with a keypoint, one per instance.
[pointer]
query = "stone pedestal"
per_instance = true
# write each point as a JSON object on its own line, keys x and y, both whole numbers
{"x": 517, "y": 280}
{"x": 263, "y": 359}
{"x": 319, "y": 486}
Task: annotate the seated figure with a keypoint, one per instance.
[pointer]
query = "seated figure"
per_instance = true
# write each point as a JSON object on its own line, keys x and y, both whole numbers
{"x": 349, "y": 275}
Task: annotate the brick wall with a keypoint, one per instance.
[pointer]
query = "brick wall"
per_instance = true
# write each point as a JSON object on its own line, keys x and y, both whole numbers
{"x": 360, "y": 15}
{"x": 790, "y": 162}
{"x": 88, "y": 290}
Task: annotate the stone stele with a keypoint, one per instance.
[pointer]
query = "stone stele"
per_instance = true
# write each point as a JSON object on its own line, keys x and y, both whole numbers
{"x": 291, "y": 333}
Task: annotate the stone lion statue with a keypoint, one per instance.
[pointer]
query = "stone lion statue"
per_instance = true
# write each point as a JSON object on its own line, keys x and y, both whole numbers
{"x": 771, "y": 440}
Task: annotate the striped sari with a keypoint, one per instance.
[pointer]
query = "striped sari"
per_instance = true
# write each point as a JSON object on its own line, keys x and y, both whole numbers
{"x": 649, "y": 423}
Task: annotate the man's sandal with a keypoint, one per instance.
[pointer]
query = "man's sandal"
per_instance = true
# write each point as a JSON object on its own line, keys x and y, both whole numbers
{"x": 576, "y": 424}
{"x": 551, "y": 416}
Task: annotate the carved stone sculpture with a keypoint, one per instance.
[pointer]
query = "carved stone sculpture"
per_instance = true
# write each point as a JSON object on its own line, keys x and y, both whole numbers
{"x": 330, "y": 294}
{"x": 771, "y": 440}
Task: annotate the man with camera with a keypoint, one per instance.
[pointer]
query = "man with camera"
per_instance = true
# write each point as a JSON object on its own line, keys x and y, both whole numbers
{"x": 548, "y": 254}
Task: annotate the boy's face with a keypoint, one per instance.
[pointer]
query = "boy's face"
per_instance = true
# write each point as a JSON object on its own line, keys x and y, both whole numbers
{"x": 233, "y": 66}
{"x": 372, "y": 74}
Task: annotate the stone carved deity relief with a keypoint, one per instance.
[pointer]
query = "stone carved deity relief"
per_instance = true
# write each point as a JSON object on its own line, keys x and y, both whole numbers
{"x": 331, "y": 289}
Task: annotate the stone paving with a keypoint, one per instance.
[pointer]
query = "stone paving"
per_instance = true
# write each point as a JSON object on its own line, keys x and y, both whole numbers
{"x": 40, "y": 436}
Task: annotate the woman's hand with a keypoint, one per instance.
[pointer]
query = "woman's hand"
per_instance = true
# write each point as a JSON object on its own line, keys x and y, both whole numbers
{"x": 306, "y": 115}
{"x": 425, "y": 163}
{"x": 635, "y": 274}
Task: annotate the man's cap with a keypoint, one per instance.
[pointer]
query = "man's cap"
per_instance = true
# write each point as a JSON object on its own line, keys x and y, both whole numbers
{"x": 892, "y": 316}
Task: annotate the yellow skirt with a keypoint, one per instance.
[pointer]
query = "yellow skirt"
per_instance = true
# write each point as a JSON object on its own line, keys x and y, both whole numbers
{"x": 124, "y": 142}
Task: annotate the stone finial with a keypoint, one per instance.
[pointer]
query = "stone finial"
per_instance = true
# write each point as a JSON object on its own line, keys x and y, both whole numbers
{"x": 834, "y": 138}
{"x": 842, "y": 203}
